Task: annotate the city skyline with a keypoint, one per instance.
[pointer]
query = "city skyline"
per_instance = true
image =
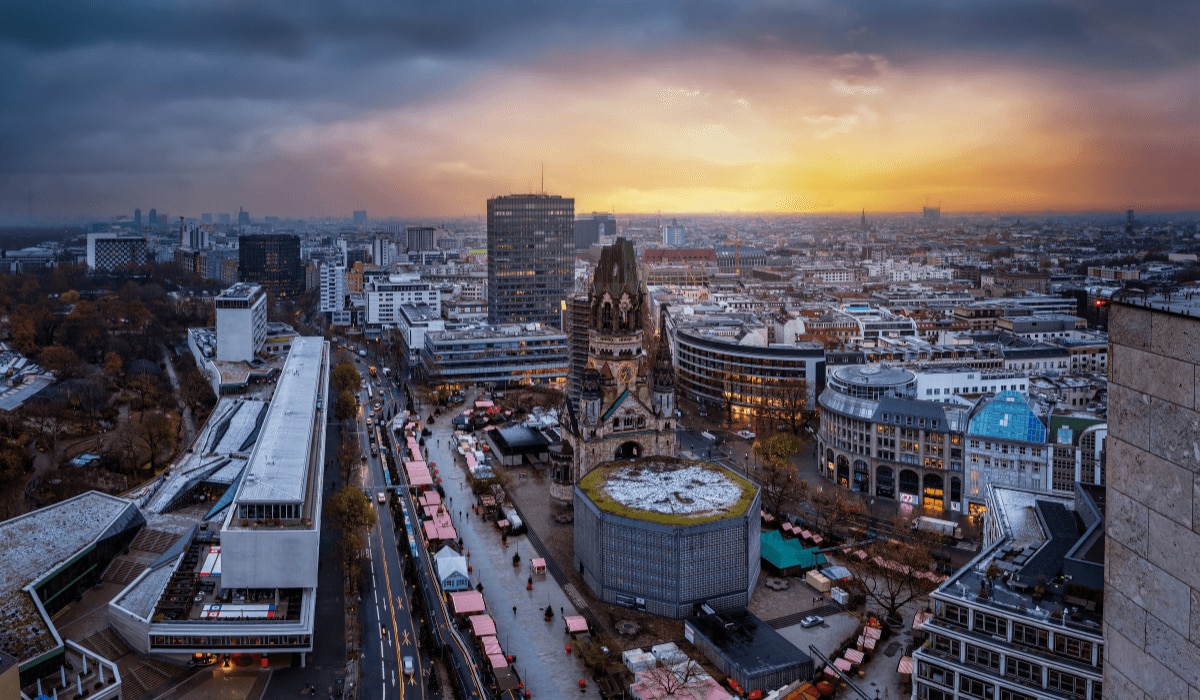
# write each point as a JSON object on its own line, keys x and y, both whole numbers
{"x": 302, "y": 110}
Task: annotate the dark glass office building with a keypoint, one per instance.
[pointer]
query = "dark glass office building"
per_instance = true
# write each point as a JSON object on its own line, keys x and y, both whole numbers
{"x": 272, "y": 261}
{"x": 590, "y": 229}
{"x": 531, "y": 257}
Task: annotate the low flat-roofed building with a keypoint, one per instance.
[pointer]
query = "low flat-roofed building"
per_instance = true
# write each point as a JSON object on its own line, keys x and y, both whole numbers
{"x": 748, "y": 650}
{"x": 513, "y": 446}
{"x": 48, "y": 557}
{"x": 509, "y": 354}
{"x": 249, "y": 587}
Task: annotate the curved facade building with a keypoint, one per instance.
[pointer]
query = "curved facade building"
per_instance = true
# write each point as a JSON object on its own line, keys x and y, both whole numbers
{"x": 754, "y": 381}
{"x": 665, "y": 536}
{"x": 877, "y": 438}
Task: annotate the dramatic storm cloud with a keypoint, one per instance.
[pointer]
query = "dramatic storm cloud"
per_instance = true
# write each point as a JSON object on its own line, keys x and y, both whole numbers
{"x": 309, "y": 108}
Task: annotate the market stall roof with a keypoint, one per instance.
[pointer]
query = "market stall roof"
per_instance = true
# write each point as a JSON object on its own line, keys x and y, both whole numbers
{"x": 497, "y": 660}
{"x": 576, "y": 623}
{"x": 467, "y": 602}
{"x": 490, "y": 645}
{"x": 482, "y": 625}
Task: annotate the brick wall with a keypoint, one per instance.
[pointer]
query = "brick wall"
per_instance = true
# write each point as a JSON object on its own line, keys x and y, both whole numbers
{"x": 1152, "y": 558}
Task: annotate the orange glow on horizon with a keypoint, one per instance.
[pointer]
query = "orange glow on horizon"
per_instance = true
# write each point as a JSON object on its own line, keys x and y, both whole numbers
{"x": 729, "y": 132}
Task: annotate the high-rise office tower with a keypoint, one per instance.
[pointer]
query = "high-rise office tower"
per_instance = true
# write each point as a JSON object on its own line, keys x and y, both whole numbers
{"x": 243, "y": 217}
{"x": 589, "y": 230}
{"x": 153, "y": 218}
{"x": 137, "y": 219}
{"x": 419, "y": 238}
{"x": 672, "y": 234}
{"x": 1128, "y": 221}
{"x": 360, "y": 217}
{"x": 272, "y": 261}
{"x": 531, "y": 257}
{"x": 1152, "y": 570}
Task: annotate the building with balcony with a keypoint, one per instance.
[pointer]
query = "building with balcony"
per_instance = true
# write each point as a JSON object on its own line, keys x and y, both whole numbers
{"x": 1023, "y": 620}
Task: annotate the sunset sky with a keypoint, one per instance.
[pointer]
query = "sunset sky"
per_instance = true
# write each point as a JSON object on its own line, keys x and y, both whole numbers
{"x": 313, "y": 108}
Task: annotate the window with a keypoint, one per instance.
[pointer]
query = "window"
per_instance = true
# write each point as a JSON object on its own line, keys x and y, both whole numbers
{"x": 1066, "y": 682}
{"x": 979, "y": 656}
{"x": 990, "y": 624}
{"x": 925, "y": 692}
{"x": 946, "y": 645}
{"x": 1073, "y": 647}
{"x": 975, "y": 688}
{"x": 957, "y": 614}
{"x": 935, "y": 673}
{"x": 1030, "y": 635}
{"x": 1025, "y": 671}
{"x": 1006, "y": 694}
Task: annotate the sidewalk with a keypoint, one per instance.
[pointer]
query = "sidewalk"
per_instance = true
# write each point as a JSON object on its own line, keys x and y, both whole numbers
{"x": 539, "y": 646}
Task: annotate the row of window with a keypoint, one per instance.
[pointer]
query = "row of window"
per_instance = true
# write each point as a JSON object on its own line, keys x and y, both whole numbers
{"x": 1022, "y": 634}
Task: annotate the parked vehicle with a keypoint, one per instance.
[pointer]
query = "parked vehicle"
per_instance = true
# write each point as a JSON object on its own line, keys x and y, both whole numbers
{"x": 946, "y": 528}
{"x": 812, "y": 621}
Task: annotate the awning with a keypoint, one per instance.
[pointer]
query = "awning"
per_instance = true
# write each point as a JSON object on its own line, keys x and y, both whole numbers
{"x": 905, "y": 666}
{"x": 467, "y": 602}
{"x": 576, "y": 624}
{"x": 490, "y": 645}
{"x": 497, "y": 660}
{"x": 482, "y": 625}
{"x": 842, "y": 664}
{"x": 854, "y": 656}
{"x": 538, "y": 565}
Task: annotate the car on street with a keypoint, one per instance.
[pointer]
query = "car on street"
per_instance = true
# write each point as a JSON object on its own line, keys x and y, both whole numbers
{"x": 812, "y": 621}
{"x": 745, "y": 434}
{"x": 381, "y": 496}
{"x": 409, "y": 668}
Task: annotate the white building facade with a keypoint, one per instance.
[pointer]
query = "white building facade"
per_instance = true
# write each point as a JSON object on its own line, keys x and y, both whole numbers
{"x": 241, "y": 322}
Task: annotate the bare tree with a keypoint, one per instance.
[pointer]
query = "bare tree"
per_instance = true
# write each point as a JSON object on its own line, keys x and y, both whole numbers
{"x": 775, "y": 474}
{"x": 157, "y": 430}
{"x": 676, "y": 681}
{"x": 895, "y": 575}
{"x": 831, "y": 506}
{"x": 786, "y": 401}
